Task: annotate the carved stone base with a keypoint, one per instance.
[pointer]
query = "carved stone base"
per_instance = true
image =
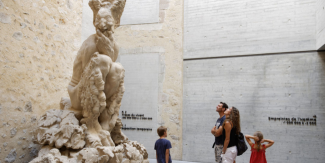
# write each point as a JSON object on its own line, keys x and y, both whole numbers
{"x": 65, "y": 141}
{"x": 131, "y": 152}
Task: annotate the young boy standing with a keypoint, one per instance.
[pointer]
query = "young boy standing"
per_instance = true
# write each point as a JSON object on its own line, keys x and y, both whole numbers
{"x": 162, "y": 146}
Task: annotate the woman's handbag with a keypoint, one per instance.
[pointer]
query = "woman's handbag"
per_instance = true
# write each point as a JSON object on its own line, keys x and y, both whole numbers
{"x": 241, "y": 144}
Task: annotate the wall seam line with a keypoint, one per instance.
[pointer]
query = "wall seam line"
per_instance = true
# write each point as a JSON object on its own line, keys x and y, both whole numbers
{"x": 250, "y": 55}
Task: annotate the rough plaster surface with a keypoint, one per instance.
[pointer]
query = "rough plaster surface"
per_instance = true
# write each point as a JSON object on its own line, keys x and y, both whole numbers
{"x": 320, "y": 26}
{"x": 164, "y": 38}
{"x": 284, "y": 85}
{"x": 38, "y": 43}
{"x": 226, "y": 28}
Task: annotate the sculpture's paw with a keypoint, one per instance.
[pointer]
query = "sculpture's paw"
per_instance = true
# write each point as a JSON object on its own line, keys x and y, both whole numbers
{"x": 106, "y": 139}
{"x": 93, "y": 141}
{"x": 117, "y": 136}
{"x": 103, "y": 43}
{"x": 65, "y": 104}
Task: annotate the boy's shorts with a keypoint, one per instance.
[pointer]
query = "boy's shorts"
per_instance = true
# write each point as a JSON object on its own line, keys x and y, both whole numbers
{"x": 218, "y": 152}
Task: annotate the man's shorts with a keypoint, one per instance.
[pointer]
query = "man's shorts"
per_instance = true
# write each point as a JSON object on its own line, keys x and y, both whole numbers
{"x": 218, "y": 152}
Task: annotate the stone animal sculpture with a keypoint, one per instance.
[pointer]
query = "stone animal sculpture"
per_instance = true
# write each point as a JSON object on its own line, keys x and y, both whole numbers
{"x": 87, "y": 128}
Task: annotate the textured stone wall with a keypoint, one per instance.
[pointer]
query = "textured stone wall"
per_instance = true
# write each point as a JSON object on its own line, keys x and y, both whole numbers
{"x": 38, "y": 42}
{"x": 320, "y": 28}
{"x": 232, "y": 27}
{"x": 283, "y": 85}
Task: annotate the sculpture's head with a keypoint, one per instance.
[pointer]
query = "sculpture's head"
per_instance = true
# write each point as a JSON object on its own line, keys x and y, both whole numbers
{"x": 104, "y": 20}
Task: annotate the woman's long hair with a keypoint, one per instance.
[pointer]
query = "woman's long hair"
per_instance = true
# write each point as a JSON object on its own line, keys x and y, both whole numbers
{"x": 234, "y": 117}
{"x": 260, "y": 137}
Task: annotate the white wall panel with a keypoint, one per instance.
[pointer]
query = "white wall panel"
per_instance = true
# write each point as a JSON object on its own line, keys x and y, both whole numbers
{"x": 141, "y": 97}
{"x": 231, "y": 27}
{"x": 140, "y": 12}
{"x": 320, "y": 28}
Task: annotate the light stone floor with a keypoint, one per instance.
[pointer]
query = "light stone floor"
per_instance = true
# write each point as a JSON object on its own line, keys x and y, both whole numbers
{"x": 174, "y": 161}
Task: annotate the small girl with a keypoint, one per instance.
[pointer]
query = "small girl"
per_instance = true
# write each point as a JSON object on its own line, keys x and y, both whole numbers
{"x": 258, "y": 150}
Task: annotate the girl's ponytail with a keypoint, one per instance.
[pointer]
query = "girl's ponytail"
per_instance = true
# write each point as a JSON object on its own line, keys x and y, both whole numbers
{"x": 260, "y": 137}
{"x": 258, "y": 145}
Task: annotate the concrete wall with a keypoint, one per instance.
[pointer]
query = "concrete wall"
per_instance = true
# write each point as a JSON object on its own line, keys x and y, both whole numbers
{"x": 142, "y": 73}
{"x": 283, "y": 85}
{"x": 162, "y": 39}
{"x": 320, "y": 28}
{"x": 229, "y": 28}
{"x": 141, "y": 12}
{"x": 38, "y": 42}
